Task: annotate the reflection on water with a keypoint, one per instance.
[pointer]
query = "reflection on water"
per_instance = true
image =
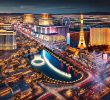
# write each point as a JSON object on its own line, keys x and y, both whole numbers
{"x": 53, "y": 68}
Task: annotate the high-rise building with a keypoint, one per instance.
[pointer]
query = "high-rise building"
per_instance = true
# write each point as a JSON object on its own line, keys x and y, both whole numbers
{"x": 46, "y": 29}
{"x": 46, "y": 19}
{"x": 46, "y": 26}
{"x": 7, "y": 40}
{"x": 99, "y": 36}
{"x": 63, "y": 30}
{"x": 82, "y": 43}
{"x": 52, "y": 37}
{"x": 28, "y": 18}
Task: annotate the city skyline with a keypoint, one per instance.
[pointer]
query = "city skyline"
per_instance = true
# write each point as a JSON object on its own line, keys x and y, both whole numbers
{"x": 54, "y": 50}
{"x": 54, "y": 6}
{"x": 47, "y": 56}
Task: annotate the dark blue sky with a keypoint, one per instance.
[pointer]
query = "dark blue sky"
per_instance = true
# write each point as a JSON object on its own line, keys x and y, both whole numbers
{"x": 54, "y": 6}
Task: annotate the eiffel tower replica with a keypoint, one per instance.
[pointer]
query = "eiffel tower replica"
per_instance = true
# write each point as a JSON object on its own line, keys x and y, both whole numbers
{"x": 82, "y": 43}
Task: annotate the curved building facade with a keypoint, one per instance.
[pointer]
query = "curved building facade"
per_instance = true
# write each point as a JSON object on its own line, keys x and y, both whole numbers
{"x": 52, "y": 38}
{"x": 46, "y": 26}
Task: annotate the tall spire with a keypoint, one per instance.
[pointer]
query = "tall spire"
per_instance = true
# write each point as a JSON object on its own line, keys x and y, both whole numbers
{"x": 82, "y": 43}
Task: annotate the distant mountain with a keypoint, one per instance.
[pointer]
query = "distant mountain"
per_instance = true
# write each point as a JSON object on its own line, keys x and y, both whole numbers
{"x": 88, "y": 13}
{"x": 98, "y": 13}
{"x": 11, "y": 13}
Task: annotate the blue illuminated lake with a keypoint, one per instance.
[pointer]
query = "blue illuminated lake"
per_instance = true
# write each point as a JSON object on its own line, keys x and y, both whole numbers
{"x": 50, "y": 66}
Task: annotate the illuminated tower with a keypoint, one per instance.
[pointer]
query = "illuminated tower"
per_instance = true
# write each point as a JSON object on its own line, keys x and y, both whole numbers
{"x": 82, "y": 43}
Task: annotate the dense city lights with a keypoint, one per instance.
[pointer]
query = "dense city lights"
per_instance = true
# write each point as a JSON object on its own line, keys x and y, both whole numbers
{"x": 54, "y": 56}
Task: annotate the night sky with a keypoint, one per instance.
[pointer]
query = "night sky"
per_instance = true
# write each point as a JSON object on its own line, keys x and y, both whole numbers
{"x": 54, "y": 6}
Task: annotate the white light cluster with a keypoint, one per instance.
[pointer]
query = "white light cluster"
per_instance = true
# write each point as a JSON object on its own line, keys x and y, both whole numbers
{"x": 37, "y": 57}
{"x": 54, "y": 68}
